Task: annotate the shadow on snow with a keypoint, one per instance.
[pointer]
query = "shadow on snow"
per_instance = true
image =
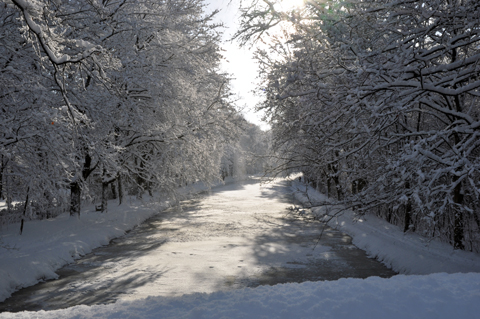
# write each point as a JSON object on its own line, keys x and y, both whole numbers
{"x": 290, "y": 239}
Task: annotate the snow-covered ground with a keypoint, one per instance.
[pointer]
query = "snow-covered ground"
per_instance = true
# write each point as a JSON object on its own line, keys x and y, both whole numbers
{"x": 433, "y": 296}
{"x": 47, "y": 245}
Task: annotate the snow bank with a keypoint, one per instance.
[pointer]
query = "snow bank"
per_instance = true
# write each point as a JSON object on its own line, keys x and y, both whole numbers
{"x": 433, "y": 296}
{"x": 47, "y": 245}
{"x": 405, "y": 253}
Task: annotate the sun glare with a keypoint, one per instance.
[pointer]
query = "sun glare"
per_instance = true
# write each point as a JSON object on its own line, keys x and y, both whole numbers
{"x": 288, "y": 5}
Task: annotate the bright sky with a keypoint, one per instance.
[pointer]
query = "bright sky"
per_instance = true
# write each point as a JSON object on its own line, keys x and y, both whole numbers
{"x": 239, "y": 62}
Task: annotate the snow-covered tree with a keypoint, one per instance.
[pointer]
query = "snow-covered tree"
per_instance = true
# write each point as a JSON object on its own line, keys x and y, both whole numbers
{"x": 378, "y": 101}
{"x": 99, "y": 92}
{"x": 248, "y": 154}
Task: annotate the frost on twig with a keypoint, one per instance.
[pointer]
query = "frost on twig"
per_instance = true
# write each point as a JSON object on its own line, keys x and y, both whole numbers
{"x": 49, "y": 40}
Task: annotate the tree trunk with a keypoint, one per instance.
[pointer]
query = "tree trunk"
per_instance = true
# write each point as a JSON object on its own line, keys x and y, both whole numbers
{"x": 1, "y": 177}
{"x": 389, "y": 215}
{"x": 104, "y": 191}
{"x": 149, "y": 189}
{"x": 76, "y": 189}
{"x": 24, "y": 211}
{"x": 329, "y": 186}
{"x": 114, "y": 190}
{"x": 408, "y": 211}
{"x": 8, "y": 194}
{"x": 120, "y": 189}
{"x": 408, "y": 216}
{"x": 75, "y": 195}
{"x": 139, "y": 178}
{"x": 458, "y": 234}
{"x": 104, "y": 197}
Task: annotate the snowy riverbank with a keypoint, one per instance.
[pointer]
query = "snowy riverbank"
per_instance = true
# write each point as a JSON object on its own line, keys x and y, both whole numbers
{"x": 47, "y": 245}
{"x": 405, "y": 253}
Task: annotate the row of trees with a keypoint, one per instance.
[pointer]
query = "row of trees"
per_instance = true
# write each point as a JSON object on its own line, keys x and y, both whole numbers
{"x": 101, "y": 96}
{"x": 377, "y": 103}
{"x": 249, "y": 155}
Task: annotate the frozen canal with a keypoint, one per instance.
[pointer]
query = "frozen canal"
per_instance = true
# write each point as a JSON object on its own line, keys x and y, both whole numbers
{"x": 239, "y": 235}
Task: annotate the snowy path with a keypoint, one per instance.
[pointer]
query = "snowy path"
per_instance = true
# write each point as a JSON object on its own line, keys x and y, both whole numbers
{"x": 241, "y": 235}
